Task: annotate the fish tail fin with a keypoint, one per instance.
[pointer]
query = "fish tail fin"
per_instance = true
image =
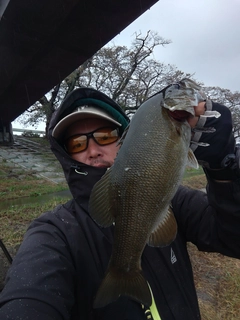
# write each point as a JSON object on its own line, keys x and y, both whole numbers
{"x": 131, "y": 284}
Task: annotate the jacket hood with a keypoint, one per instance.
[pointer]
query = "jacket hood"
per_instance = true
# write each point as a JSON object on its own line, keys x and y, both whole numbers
{"x": 81, "y": 177}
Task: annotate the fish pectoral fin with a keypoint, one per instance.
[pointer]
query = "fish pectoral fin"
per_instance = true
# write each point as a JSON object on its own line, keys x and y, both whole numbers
{"x": 115, "y": 284}
{"x": 100, "y": 204}
{"x": 165, "y": 232}
{"x": 192, "y": 161}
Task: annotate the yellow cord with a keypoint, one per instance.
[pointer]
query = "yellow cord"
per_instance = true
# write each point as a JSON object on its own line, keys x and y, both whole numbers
{"x": 153, "y": 307}
{"x": 152, "y": 312}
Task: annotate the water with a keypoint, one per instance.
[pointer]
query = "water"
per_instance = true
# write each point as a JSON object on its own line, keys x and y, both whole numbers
{"x": 65, "y": 194}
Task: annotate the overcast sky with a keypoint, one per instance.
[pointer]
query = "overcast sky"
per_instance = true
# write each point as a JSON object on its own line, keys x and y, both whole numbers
{"x": 205, "y": 37}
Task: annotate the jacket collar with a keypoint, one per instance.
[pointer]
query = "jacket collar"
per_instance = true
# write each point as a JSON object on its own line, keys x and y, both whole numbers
{"x": 80, "y": 177}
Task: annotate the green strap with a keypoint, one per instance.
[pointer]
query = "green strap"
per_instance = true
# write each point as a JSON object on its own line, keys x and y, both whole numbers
{"x": 153, "y": 307}
{"x": 152, "y": 312}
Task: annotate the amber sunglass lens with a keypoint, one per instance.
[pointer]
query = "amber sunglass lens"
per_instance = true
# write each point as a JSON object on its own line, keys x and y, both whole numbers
{"x": 76, "y": 144}
{"x": 106, "y": 136}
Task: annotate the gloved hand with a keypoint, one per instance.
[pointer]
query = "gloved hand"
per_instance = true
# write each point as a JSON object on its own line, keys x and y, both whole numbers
{"x": 213, "y": 143}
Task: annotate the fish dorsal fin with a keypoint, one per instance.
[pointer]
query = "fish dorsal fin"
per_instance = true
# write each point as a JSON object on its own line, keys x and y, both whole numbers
{"x": 100, "y": 204}
{"x": 192, "y": 161}
{"x": 165, "y": 232}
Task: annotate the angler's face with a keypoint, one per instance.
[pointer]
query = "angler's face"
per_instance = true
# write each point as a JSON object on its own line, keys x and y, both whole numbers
{"x": 95, "y": 154}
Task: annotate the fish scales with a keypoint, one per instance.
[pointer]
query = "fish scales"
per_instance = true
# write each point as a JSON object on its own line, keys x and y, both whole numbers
{"x": 138, "y": 191}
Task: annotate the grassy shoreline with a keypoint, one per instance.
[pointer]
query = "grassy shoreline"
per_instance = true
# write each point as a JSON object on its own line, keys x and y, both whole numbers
{"x": 17, "y": 183}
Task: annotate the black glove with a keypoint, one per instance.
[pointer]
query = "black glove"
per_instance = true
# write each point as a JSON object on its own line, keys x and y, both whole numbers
{"x": 213, "y": 143}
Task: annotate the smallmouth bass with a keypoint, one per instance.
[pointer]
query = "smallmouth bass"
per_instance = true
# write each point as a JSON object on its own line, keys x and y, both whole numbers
{"x": 136, "y": 192}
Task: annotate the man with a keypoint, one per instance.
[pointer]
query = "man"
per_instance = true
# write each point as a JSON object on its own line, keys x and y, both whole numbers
{"x": 63, "y": 258}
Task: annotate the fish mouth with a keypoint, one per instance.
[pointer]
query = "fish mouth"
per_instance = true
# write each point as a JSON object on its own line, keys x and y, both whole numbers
{"x": 179, "y": 115}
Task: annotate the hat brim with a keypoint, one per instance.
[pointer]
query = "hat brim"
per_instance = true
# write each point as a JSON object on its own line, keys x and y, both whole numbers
{"x": 90, "y": 112}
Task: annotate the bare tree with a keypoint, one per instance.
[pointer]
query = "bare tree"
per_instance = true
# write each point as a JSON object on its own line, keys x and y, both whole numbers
{"x": 128, "y": 75}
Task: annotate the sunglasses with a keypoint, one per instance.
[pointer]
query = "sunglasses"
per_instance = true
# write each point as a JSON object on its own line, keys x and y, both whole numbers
{"x": 102, "y": 136}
